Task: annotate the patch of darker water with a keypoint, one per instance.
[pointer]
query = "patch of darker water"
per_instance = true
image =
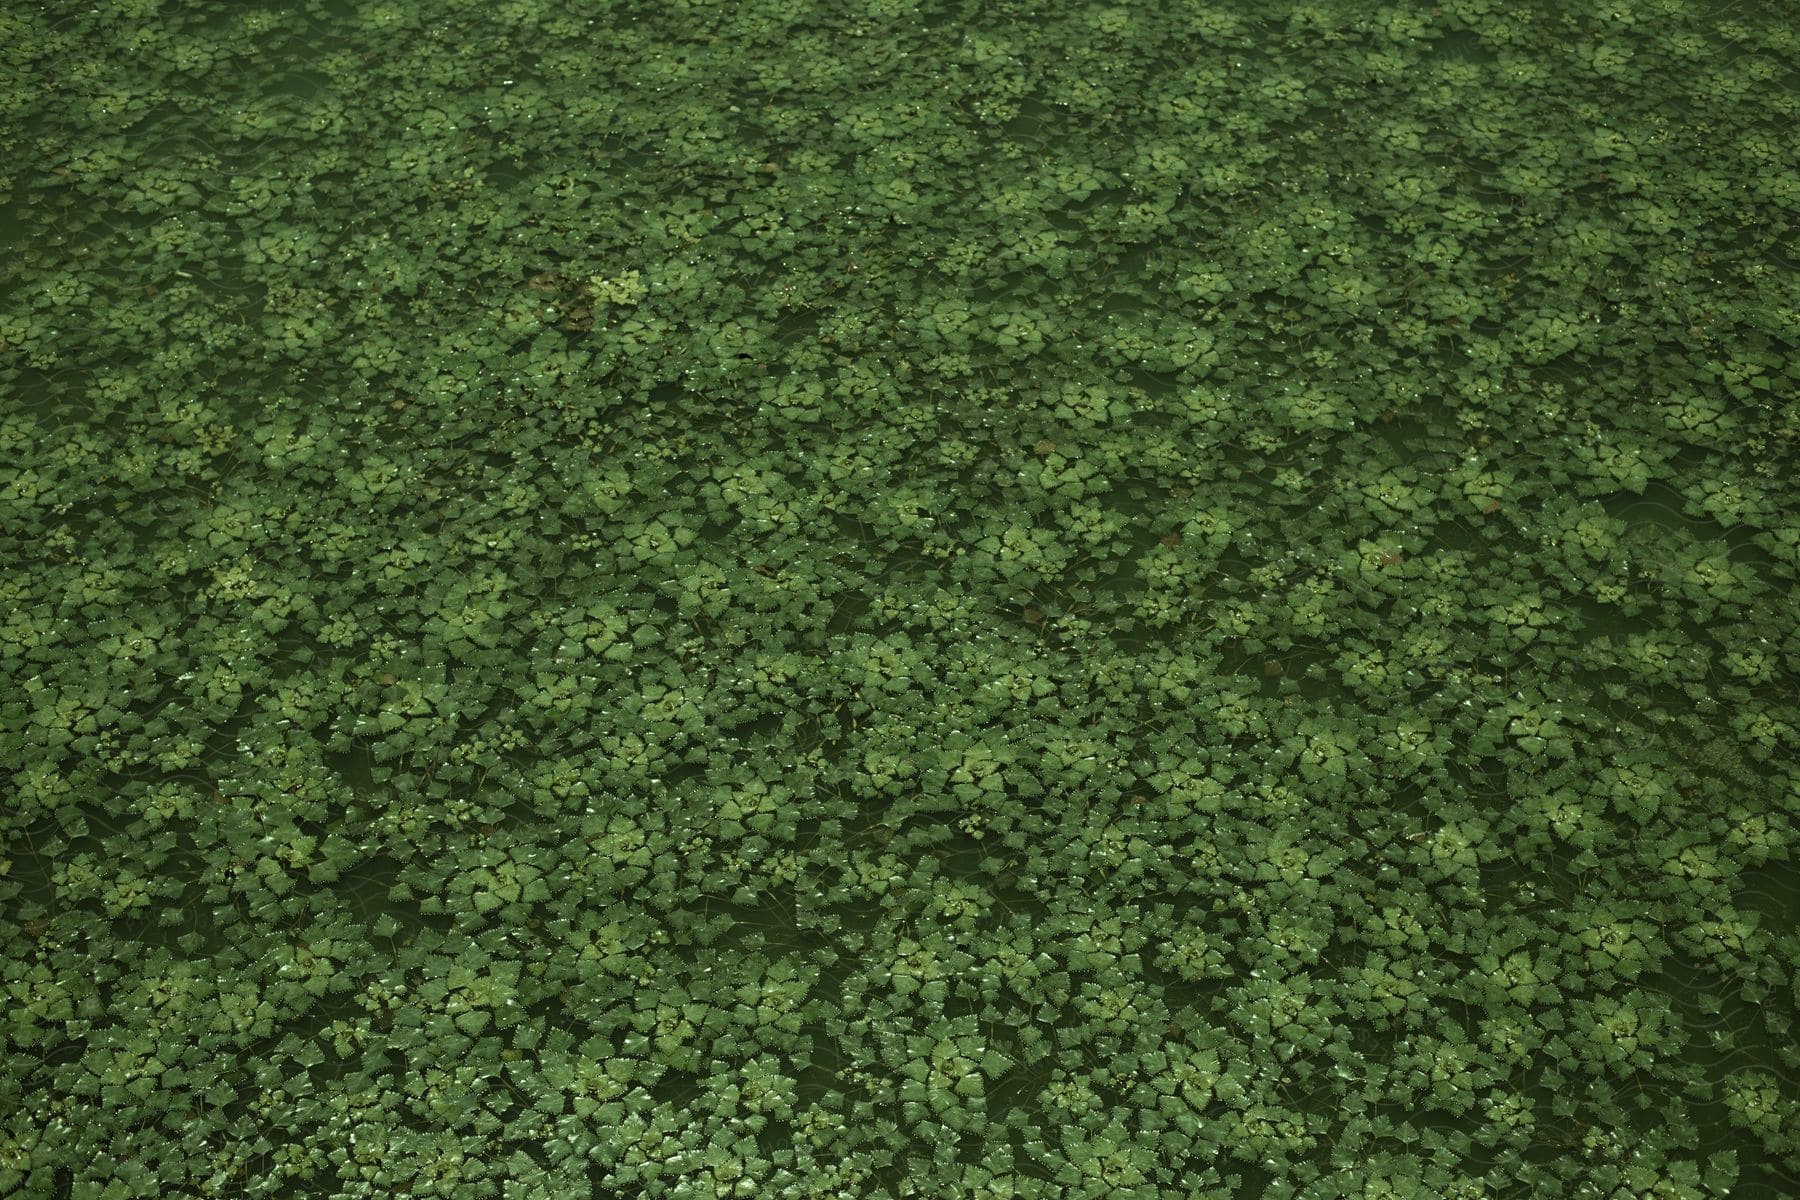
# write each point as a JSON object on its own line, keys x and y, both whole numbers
{"x": 354, "y": 764}
{"x": 1015, "y": 1096}
{"x": 1772, "y": 891}
{"x": 963, "y": 856}
{"x": 367, "y": 890}
{"x": 1727, "y": 1033}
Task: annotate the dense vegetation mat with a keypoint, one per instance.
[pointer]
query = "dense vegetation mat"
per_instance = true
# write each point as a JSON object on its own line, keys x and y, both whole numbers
{"x": 803, "y": 599}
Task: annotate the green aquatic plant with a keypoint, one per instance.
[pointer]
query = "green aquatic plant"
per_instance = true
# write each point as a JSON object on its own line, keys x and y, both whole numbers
{"x": 1085, "y": 602}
